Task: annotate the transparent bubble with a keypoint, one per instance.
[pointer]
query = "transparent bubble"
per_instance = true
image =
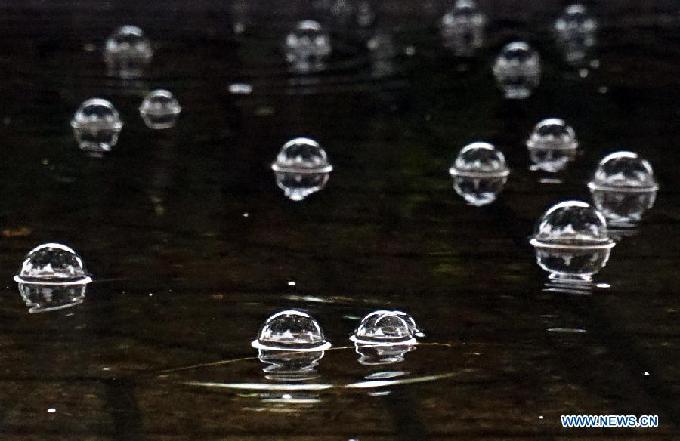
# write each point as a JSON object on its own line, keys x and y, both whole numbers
{"x": 127, "y": 52}
{"x": 297, "y": 186}
{"x": 96, "y": 125}
{"x": 291, "y": 330}
{"x": 517, "y": 70}
{"x": 307, "y": 46}
{"x": 302, "y": 155}
{"x": 45, "y": 298}
{"x": 575, "y": 22}
{"x": 552, "y": 145}
{"x": 382, "y": 327}
{"x": 624, "y": 171}
{"x": 53, "y": 264}
{"x": 160, "y": 109}
{"x": 479, "y": 159}
{"x": 479, "y": 191}
{"x": 572, "y": 224}
{"x": 462, "y": 28}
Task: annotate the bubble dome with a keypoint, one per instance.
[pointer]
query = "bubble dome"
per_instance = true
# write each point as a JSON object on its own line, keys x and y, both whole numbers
{"x": 624, "y": 171}
{"x": 302, "y": 155}
{"x": 575, "y": 20}
{"x": 553, "y": 134}
{"x": 384, "y": 327}
{"x": 517, "y": 70}
{"x": 128, "y": 42}
{"x": 53, "y": 264}
{"x": 306, "y": 42}
{"x": 291, "y": 330}
{"x": 160, "y": 109}
{"x": 479, "y": 159}
{"x": 96, "y": 125}
{"x": 572, "y": 224}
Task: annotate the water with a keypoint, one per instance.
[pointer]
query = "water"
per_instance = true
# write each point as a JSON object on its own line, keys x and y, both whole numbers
{"x": 160, "y": 346}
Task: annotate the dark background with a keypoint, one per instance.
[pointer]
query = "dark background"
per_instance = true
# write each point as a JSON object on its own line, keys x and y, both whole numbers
{"x": 182, "y": 277}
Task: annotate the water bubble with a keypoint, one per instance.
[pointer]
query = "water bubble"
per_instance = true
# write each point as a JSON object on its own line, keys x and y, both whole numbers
{"x": 623, "y": 188}
{"x": 572, "y": 224}
{"x": 45, "y": 298}
{"x": 301, "y": 168}
{"x": 307, "y": 46}
{"x": 517, "y": 70}
{"x": 384, "y": 328}
{"x": 479, "y": 159}
{"x": 160, "y": 109}
{"x": 291, "y": 330}
{"x": 96, "y": 126}
{"x": 127, "y": 52}
{"x": 53, "y": 264}
{"x": 462, "y": 28}
{"x": 576, "y": 34}
{"x": 552, "y": 145}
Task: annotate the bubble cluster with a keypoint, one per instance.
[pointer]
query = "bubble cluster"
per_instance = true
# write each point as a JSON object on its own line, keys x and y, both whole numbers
{"x": 127, "y": 52}
{"x": 307, "y": 46}
{"x": 301, "y": 168}
{"x": 160, "y": 109}
{"x": 462, "y": 28}
{"x": 517, "y": 70}
{"x": 552, "y": 145}
{"x": 96, "y": 125}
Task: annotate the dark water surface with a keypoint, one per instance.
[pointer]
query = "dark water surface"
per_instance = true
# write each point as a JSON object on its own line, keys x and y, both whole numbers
{"x": 192, "y": 245}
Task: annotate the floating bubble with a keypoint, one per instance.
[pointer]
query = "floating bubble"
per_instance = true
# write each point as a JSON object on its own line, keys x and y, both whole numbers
{"x": 385, "y": 328}
{"x": 552, "y": 145}
{"x": 53, "y": 264}
{"x": 623, "y": 188}
{"x": 307, "y": 46}
{"x": 160, "y": 109}
{"x": 96, "y": 126}
{"x": 572, "y": 224}
{"x": 576, "y": 36}
{"x": 127, "y": 52}
{"x": 479, "y": 159}
{"x": 291, "y": 330}
{"x": 462, "y": 28}
{"x": 517, "y": 70}
{"x": 45, "y": 298}
{"x": 301, "y": 168}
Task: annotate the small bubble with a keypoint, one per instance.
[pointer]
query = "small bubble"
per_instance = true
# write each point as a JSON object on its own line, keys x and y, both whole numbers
{"x": 307, "y": 46}
{"x": 462, "y": 28}
{"x": 301, "y": 168}
{"x": 54, "y": 264}
{"x": 160, "y": 109}
{"x": 127, "y": 52}
{"x": 552, "y": 145}
{"x": 96, "y": 126}
{"x": 479, "y": 173}
{"x": 517, "y": 70}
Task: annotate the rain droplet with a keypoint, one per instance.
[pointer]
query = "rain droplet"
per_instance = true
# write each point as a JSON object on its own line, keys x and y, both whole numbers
{"x": 552, "y": 145}
{"x": 623, "y": 188}
{"x": 160, "y": 109}
{"x": 127, "y": 52}
{"x": 307, "y": 46}
{"x": 517, "y": 70}
{"x": 301, "y": 168}
{"x": 462, "y": 28}
{"x": 291, "y": 330}
{"x": 96, "y": 126}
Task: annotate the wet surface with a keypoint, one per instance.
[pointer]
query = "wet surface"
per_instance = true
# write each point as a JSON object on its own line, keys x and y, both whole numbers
{"x": 192, "y": 245}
